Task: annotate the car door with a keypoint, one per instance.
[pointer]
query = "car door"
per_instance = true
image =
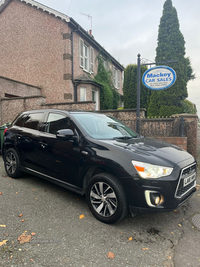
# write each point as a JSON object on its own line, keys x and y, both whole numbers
{"x": 61, "y": 158}
{"x": 27, "y": 134}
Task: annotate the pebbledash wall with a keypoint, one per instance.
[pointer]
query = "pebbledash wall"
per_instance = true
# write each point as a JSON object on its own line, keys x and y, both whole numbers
{"x": 10, "y": 107}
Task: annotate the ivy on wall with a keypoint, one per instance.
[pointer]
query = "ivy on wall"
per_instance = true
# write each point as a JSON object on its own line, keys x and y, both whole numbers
{"x": 109, "y": 97}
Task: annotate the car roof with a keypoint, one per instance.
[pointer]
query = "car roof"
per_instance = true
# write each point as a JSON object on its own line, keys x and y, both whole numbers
{"x": 57, "y": 110}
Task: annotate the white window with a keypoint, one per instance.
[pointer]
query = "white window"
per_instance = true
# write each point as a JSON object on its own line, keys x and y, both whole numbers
{"x": 82, "y": 94}
{"x": 95, "y": 97}
{"x": 116, "y": 78}
{"x": 91, "y": 59}
{"x": 86, "y": 56}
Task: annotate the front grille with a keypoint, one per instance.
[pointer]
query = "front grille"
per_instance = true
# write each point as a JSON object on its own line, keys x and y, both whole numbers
{"x": 186, "y": 173}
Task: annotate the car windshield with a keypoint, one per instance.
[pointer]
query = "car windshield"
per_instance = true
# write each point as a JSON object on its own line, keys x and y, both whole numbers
{"x": 100, "y": 126}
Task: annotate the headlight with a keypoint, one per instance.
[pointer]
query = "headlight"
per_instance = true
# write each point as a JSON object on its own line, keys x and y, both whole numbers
{"x": 149, "y": 171}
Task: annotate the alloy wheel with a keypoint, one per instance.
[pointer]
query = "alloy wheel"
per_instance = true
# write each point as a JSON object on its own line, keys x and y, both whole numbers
{"x": 103, "y": 199}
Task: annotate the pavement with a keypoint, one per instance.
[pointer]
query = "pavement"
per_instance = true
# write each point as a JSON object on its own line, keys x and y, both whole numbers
{"x": 43, "y": 225}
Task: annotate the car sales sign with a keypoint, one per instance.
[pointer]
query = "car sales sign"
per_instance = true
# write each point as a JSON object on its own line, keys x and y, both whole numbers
{"x": 159, "y": 78}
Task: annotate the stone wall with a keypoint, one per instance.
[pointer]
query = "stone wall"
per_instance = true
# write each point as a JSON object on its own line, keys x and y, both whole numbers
{"x": 124, "y": 114}
{"x": 15, "y": 88}
{"x": 10, "y": 107}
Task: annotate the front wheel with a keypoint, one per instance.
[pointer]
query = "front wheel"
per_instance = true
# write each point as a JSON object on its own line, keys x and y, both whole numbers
{"x": 11, "y": 163}
{"x": 106, "y": 198}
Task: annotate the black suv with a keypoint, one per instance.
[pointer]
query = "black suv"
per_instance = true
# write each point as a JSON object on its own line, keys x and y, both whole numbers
{"x": 97, "y": 155}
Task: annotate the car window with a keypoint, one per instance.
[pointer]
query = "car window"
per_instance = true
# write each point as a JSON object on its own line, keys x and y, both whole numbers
{"x": 57, "y": 122}
{"x": 100, "y": 126}
{"x": 20, "y": 120}
{"x": 32, "y": 120}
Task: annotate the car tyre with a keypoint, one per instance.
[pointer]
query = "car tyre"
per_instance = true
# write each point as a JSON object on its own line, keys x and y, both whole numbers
{"x": 11, "y": 163}
{"x": 106, "y": 198}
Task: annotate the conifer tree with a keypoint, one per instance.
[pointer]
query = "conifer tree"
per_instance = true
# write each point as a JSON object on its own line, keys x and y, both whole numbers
{"x": 130, "y": 88}
{"x": 171, "y": 46}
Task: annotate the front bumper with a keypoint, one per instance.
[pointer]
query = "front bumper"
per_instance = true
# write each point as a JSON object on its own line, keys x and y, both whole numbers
{"x": 173, "y": 191}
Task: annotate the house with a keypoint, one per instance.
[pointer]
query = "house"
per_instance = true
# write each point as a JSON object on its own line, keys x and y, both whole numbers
{"x": 44, "y": 49}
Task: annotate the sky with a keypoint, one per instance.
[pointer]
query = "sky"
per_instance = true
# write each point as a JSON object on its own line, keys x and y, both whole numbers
{"x": 126, "y": 28}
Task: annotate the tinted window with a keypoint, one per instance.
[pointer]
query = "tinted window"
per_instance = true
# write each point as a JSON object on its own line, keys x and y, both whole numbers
{"x": 19, "y": 121}
{"x": 100, "y": 126}
{"x": 32, "y": 120}
{"x": 57, "y": 122}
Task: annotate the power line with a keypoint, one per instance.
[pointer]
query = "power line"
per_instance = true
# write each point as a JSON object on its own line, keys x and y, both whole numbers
{"x": 69, "y": 7}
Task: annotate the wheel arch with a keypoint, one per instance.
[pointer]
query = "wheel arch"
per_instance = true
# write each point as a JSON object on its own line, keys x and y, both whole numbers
{"x": 94, "y": 170}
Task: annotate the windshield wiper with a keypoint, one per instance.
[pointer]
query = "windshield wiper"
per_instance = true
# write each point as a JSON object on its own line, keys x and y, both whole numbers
{"x": 122, "y": 137}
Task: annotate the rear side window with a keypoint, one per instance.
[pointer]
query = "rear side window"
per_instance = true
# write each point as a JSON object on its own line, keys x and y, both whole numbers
{"x": 33, "y": 120}
{"x": 19, "y": 121}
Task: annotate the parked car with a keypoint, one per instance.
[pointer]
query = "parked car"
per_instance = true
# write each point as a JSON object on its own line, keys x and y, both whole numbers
{"x": 97, "y": 155}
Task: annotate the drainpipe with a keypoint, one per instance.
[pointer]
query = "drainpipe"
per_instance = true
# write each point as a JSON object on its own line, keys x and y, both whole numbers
{"x": 72, "y": 54}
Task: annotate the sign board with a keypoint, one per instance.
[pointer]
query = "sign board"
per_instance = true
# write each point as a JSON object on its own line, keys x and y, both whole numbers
{"x": 159, "y": 78}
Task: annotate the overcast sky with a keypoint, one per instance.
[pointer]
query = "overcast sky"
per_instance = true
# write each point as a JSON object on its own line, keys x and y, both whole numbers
{"x": 128, "y": 27}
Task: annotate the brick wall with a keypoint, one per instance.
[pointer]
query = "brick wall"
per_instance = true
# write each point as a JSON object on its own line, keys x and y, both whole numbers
{"x": 124, "y": 114}
{"x": 10, "y": 107}
{"x": 15, "y": 88}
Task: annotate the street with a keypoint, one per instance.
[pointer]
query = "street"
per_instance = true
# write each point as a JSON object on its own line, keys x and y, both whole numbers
{"x": 59, "y": 230}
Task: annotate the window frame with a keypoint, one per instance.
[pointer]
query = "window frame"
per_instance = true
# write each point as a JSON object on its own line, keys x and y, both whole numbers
{"x": 86, "y": 56}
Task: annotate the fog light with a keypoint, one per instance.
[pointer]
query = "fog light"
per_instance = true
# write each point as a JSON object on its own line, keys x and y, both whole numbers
{"x": 153, "y": 198}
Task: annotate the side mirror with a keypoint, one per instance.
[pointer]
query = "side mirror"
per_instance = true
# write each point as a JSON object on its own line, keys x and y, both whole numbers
{"x": 65, "y": 134}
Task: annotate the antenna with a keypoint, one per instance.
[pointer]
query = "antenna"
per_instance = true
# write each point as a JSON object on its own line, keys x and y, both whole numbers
{"x": 89, "y": 17}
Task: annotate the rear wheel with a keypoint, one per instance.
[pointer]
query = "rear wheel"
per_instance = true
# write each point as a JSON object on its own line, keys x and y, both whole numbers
{"x": 11, "y": 163}
{"x": 106, "y": 198}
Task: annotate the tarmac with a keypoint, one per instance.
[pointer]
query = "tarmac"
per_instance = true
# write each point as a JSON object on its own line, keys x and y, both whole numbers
{"x": 61, "y": 231}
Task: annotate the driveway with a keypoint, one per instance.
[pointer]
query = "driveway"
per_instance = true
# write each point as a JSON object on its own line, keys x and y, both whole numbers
{"x": 56, "y": 228}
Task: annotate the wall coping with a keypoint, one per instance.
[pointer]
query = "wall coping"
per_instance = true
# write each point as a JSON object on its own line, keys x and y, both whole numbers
{"x": 69, "y": 103}
{"x": 20, "y": 97}
{"x": 121, "y": 110}
{"x": 11, "y": 80}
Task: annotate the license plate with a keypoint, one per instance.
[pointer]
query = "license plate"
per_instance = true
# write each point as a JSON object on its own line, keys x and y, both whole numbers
{"x": 189, "y": 179}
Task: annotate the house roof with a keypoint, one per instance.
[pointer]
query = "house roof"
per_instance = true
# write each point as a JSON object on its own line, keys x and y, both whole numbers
{"x": 71, "y": 21}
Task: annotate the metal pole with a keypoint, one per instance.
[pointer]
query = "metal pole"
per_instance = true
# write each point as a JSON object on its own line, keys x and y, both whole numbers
{"x": 138, "y": 94}
{"x": 182, "y": 129}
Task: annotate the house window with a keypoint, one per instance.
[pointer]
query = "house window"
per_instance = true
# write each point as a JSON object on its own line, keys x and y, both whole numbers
{"x": 86, "y": 56}
{"x": 116, "y": 78}
{"x": 82, "y": 94}
{"x": 95, "y": 97}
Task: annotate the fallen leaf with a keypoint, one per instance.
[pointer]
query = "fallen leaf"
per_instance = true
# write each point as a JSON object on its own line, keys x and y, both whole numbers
{"x": 172, "y": 233}
{"x": 0, "y": 193}
{"x": 6, "y": 234}
{"x": 197, "y": 187}
{"x": 17, "y": 192}
{"x": 23, "y": 238}
{"x": 130, "y": 238}
{"x": 23, "y": 220}
{"x": 32, "y": 189}
{"x": 169, "y": 257}
{"x": 81, "y": 216}
{"x": 198, "y": 195}
{"x": 20, "y": 215}
{"x": 2, "y": 225}
{"x": 179, "y": 225}
{"x": 11, "y": 256}
{"x": 145, "y": 249}
{"x": 3, "y": 242}
{"x": 110, "y": 255}
{"x": 31, "y": 260}
{"x": 176, "y": 211}
{"x": 32, "y": 233}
